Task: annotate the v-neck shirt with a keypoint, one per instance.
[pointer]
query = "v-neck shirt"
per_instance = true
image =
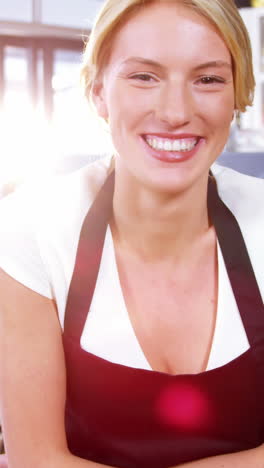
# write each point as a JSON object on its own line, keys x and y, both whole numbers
{"x": 40, "y": 228}
{"x": 109, "y": 334}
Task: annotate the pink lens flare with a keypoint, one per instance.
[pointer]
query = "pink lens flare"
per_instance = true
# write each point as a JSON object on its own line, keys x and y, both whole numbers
{"x": 184, "y": 407}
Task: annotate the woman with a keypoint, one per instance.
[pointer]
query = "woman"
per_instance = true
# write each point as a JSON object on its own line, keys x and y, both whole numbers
{"x": 166, "y": 369}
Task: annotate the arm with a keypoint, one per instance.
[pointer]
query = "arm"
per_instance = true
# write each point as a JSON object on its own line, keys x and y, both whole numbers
{"x": 32, "y": 380}
{"x": 249, "y": 458}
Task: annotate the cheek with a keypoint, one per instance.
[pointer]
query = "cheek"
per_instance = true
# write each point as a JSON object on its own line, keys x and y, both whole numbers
{"x": 227, "y": 108}
{"x": 126, "y": 110}
{"x": 218, "y": 111}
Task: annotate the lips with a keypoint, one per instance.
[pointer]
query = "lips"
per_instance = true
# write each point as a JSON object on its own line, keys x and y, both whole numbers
{"x": 172, "y": 148}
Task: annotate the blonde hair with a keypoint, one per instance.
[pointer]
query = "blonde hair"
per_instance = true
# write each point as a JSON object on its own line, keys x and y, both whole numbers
{"x": 223, "y": 14}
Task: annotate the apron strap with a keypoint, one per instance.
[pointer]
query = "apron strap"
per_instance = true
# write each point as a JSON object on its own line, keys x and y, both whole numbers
{"x": 239, "y": 267}
{"x": 88, "y": 260}
{"x": 235, "y": 254}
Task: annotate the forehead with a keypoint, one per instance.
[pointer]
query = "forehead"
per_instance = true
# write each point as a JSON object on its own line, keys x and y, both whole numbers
{"x": 165, "y": 31}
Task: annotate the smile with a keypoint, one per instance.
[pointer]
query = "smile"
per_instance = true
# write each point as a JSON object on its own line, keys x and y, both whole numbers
{"x": 172, "y": 144}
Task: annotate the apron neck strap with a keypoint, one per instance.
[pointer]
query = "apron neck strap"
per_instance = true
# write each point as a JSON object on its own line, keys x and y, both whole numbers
{"x": 236, "y": 258}
{"x": 238, "y": 265}
{"x": 88, "y": 258}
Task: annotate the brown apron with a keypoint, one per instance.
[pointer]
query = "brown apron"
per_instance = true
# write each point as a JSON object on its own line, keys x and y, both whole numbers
{"x": 135, "y": 418}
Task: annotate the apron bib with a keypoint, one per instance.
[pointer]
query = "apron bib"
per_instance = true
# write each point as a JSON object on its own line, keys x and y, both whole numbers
{"x": 135, "y": 418}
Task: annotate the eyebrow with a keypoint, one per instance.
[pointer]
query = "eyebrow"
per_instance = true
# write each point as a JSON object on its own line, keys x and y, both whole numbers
{"x": 202, "y": 66}
{"x": 214, "y": 64}
{"x": 142, "y": 60}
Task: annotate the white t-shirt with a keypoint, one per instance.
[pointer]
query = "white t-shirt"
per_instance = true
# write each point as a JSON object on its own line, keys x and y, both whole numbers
{"x": 40, "y": 228}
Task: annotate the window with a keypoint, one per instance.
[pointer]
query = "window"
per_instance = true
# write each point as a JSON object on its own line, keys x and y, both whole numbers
{"x": 46, "y": 123}
{"x": 16, "y": 10}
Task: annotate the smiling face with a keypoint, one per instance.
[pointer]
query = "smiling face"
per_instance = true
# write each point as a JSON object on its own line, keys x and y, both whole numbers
{"x": 168, "y": 94}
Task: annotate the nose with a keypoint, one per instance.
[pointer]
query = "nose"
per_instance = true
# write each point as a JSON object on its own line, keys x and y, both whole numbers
{"x": 175, "y": 105}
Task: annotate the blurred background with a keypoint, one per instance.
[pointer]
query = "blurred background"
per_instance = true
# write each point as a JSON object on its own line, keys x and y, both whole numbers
{"x": 46, "y": 124}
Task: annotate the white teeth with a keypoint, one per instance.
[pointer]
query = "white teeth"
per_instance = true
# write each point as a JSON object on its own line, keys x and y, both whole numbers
{"x": 160, "y": 144}
{"x": 165, "y": 144}
{"x": 152, "y": 142}
{"x": 168, "y": 145}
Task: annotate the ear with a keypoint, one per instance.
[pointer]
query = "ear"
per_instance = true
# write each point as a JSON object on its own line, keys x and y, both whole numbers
{"x": 98, "y": 98}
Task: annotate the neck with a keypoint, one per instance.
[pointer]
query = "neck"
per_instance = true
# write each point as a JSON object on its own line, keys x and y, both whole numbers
{"x": 158, "y": 226}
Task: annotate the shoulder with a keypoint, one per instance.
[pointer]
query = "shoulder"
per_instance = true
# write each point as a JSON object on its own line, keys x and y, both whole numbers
{"x": 239, "y": 191}
{"x": 40, "y": 226}
{"x": 244, "y": 196}
{"x": 43, "y": 198}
